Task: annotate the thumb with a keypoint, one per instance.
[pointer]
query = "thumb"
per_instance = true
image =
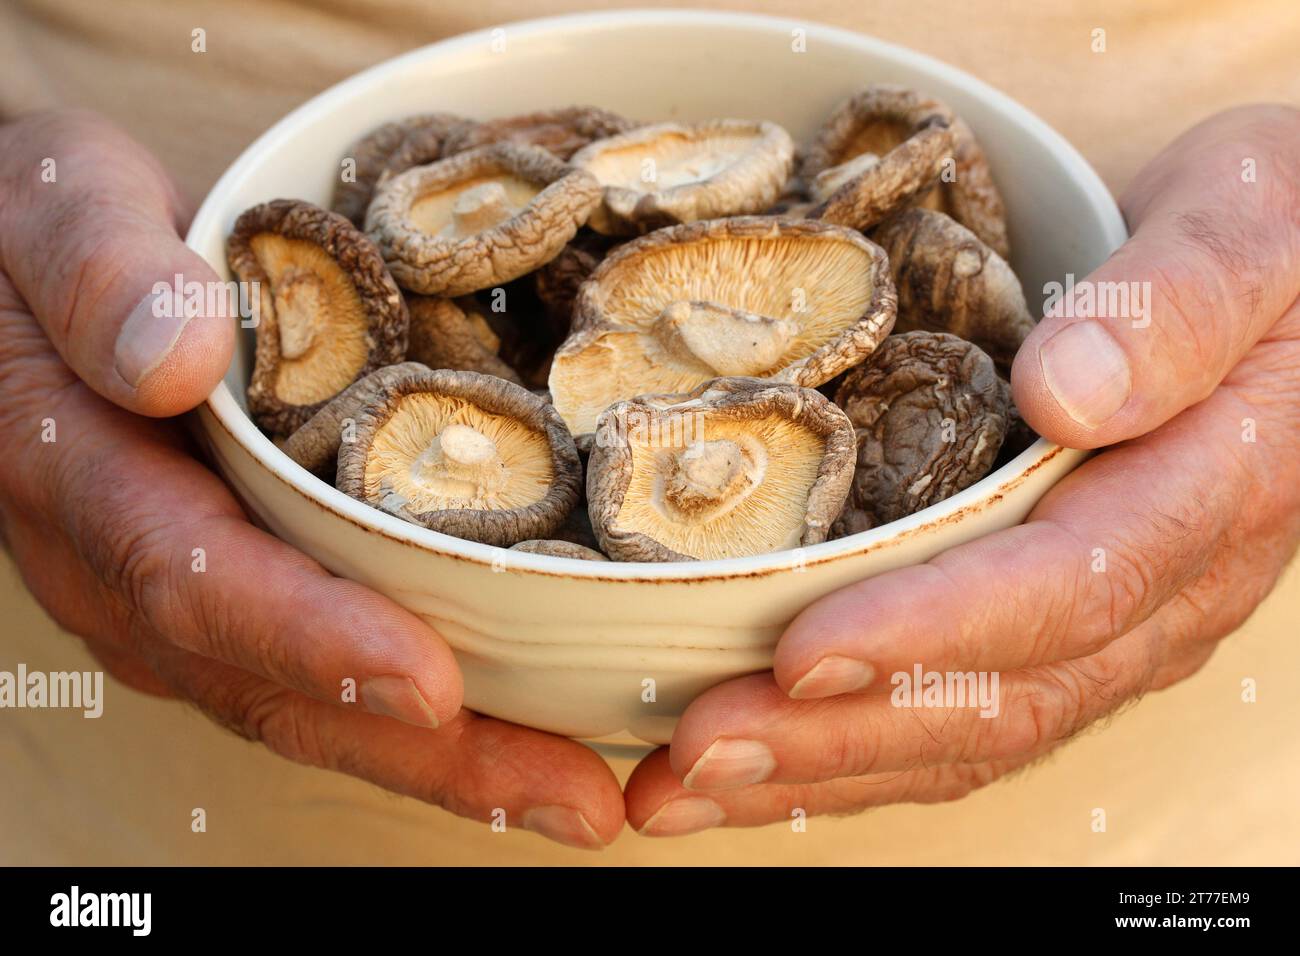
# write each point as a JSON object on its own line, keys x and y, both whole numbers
{"x": 1213, "y": 261}
{"x": 89, "y": 237}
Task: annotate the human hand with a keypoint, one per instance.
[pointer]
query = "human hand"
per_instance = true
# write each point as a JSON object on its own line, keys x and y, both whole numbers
{"x": 1124, "y": 576}
{"x": 103, "y": 521}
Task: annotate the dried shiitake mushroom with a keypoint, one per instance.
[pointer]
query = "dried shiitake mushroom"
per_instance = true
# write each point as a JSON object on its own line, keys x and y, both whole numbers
{"x": 971, "y": 197}
{"x": 949, "y": 281}
{"x": 886, "y": 148}
{"x": 329, "y": 312}
{"x": 559, "y": 549}
{"x": 562, "y": 132}
{"x": 673, "y": 173}
{"x": 466, "y": 454}
{"x": 558, "y": 281}
{"x": 878, "y": 152}
{"x": 789, "y": 300}
{"x": 930, "y": 414}
{"x": 392, "y": 148}
{"x": 741, "y": 466}
{"x": 443, "y": 335}
{"x": 315, "y": 445}
{"x": 479, "y": 218}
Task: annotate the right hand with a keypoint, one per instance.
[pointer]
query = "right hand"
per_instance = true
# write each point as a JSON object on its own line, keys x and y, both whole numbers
{"x": 103, "y": 521}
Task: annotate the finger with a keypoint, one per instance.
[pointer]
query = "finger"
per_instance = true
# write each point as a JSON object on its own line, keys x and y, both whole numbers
{"x": 658, "y": 805}
{"x": 1110, "y": 544}
{"x": 168, "y": 541}
{"x": 87, "y": 235}
{"x": 748, "y": 731}
{"x": 484, "y": 769}
{"x": 1213, "y": 261}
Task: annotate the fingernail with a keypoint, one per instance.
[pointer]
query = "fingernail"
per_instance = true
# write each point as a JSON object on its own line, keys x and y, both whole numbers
{"x": 730, "y": 763}
{"x": 147, "y": 337}
{"x": 1087, "y": 372}
{"x": 563, "y": 825}
{"x": 833, "y": 675}
{"x": 398, "y": 697}
{"x": 684, "y": 815}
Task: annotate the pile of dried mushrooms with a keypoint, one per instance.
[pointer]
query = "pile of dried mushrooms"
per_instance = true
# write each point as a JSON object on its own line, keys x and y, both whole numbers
{"x": 575, "y": 334}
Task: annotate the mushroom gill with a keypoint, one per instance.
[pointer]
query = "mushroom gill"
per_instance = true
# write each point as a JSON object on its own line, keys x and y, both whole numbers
{"x": 437, "y": 453}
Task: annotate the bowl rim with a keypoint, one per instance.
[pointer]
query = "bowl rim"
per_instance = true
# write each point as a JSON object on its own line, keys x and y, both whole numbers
{"x": 222, "y": 407}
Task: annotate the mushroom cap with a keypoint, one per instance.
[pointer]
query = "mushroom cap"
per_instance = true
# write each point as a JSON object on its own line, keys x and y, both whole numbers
{"x": 671, "y": 173}
{"x": 562, "y": 132}
{"x": 811, "y": 298}
{"x": 443, "y": 335}
{"x": 466, "y": 454}
{"x": 316, "y": 444}
{"x": 877, "y": 152}
{"x": 947, "y": 280}
{"x": 387, "y": 150}
{"x": 972, "y": 198}
{"x": 559, "y": 549}
{"x": 557, "y": 282}
{"x": 930, "y": 414}
{"x": 329, "y": 312}
{"x": 740, "y": 466}
{"x": 479, "y": 218}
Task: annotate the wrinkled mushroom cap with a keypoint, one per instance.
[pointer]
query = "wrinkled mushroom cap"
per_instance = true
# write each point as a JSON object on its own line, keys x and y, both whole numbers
{"x": 386, "y": 151}
{"x": 739, "y": 467}
{"x": 674, "y": 173}
{"x": 315, "y": 445}
{"x": 479, "y": 218}
{"x": 559, "y": 549}
{"x": 947, "y": 280}
{"x": 557, "y": 282}
{"x": 562, "y": 132}
{"x": 930, "y": 414}
{"x": 971, "y": 198}
{"x": 443, "y": 335}
{"x": 466, "y": 454}
{"x": 878, "y": 152}
{"x": 789, "y": 300}
{"x": 329, "y": 312}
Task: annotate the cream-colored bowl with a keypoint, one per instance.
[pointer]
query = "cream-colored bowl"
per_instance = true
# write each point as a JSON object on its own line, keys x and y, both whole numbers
{"x": 617, "y": 651}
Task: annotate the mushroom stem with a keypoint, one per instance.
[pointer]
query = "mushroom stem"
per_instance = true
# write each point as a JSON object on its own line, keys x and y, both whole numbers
{"x": 708, "y": 477}
{"x": 464, "y": 457}
{"x": 479, "y": 208}
{"x": 300, "y": 307}
{"x": 727, "y": 341}
{"x": 827, "y": 181}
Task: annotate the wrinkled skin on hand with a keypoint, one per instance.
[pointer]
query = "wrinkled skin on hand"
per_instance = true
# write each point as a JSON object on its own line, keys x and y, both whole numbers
{"x": 1194, "y": 509}
{"x": 104, "y": 520}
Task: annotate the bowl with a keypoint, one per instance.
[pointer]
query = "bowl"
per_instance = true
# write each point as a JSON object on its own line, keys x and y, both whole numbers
{"x": 615, "y": 652}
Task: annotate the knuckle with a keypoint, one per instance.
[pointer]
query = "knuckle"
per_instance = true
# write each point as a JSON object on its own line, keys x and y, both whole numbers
{"x": 1182, "y": 298}
{"x": 953, "y": 782}
{"x": 852, "y": 749}
{"x": 1047, "y": 714}
{"x": 277, "y": 718}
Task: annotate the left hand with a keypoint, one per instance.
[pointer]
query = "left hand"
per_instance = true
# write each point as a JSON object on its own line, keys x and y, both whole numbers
{"x": 1194, "y": 510}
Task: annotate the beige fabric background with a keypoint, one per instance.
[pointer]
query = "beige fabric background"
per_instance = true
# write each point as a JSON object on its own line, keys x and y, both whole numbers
{"x": 1192, "y": 775}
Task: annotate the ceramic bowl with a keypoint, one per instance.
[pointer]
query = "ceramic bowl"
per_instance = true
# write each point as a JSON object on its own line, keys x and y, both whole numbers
{"x": 616, "y": 651}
